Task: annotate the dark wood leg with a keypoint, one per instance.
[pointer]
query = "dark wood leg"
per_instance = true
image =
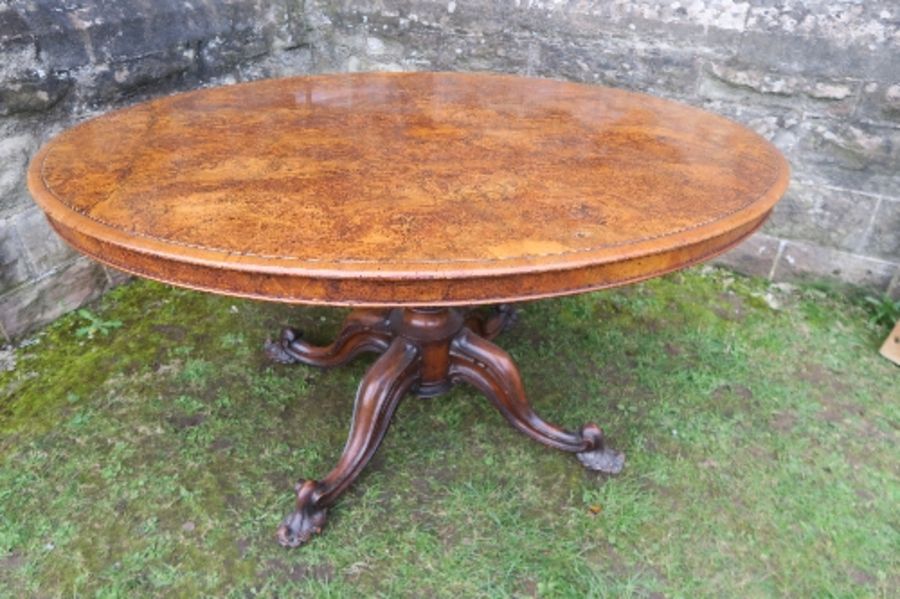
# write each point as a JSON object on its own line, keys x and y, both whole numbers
{"x": 497, "y": 319}
{"x": 387, "y": 381}
{"x": 426, "y": 351}
{"x": 363, "y": 331}
{"x": 491, "y": 370}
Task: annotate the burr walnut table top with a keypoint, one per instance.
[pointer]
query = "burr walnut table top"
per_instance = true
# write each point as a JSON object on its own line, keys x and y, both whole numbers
{"x": 406, "y": 189}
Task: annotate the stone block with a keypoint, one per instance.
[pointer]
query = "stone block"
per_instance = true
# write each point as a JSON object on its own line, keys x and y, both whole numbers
{"x": 14, "y": 268}
{"x": 705, "y": 14}
{"x": 835, "y": 218}
{"x": 754, "y": 256}
{"x": 13, "y": 27}
{"x": 221, "y": 53}
{"x": 818, "y": 56}
{"x": 33, "y": 92}
{"x": 44, "y": 248}
{"x": 780, "y": 125}
{"x": 16, "y": 149}
{"x": 883, "y": 240}
{"x": 855, "y": 155}
{"x": 701, "y": 23}
{"x": 378, "y": 18}
{"x": 41, "y": 301}
{"x": 819, "y": 37}
{"x": 616, "y": 62}
{"x": 869, "y": 24}
{"x": 745, "y": 84}
{"x": 26, "y": 86}
{"x": 413, "y": 40}
{"x": 147, "y": 76}
{"x": 287, "y": 63}
{"x": 73, "y": 35}
{"x": 62, "y": 37}
{"x": 806, "y": 262}
{"x": 110, "y": 50}
{"x": 127, "y": 30}
{"x": 880, "y": 101}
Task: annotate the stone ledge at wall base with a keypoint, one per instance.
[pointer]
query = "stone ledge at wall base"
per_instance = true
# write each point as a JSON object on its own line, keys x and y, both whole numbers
{"x": 790, "y": 261}
{"x": 82, "y": 280}
{"x": 39, "y": 302}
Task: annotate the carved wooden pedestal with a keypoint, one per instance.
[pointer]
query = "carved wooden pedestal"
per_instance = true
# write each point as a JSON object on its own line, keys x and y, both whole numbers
{"x": 424, "y": 351}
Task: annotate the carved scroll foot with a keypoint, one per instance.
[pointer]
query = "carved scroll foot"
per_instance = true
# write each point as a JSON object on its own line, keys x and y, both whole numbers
{"x": 384, "y": 385}
{"x": 608, "y": 461}
{"x": 299, "y": 526}
{"x": 480, "y": 363}
{"x": 362, "y": 331}
{"x": 599, "y": 457}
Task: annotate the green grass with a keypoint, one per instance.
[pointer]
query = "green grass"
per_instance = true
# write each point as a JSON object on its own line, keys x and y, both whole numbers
{"x": 157, "y": 457}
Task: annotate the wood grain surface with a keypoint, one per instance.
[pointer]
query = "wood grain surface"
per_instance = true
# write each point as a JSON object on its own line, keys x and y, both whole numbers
{"x": 392, "y": 189}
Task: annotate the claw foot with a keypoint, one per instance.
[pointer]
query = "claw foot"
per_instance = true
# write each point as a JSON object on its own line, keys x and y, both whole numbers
{"x": 598, "y": 456}
{"x": 300, "y": 525}
{"x": 276, "y": 350}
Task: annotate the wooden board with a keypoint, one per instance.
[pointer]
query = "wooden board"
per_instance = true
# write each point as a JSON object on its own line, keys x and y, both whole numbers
{"x": 890, "y": 349}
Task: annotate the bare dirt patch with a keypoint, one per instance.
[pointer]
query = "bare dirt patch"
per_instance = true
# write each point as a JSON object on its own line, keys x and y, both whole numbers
{"x": 732, "y": 307}
{"x": 784, "y": 422}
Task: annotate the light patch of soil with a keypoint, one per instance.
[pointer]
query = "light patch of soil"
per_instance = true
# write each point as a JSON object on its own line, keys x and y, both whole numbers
{"x": 528, "y": 588}
{"x": 171, "y": 331}
{"x": 11, "y": 562}
{"x": 612, "y": 560}
{"x": 185, "y": 422}
{"x": 733, "y": 307}
{"x": 673, "y": 350}
{"x": 614, "y": 377}
{"x": 821, "y": 378}
{"x": 280, "y": 569}
{"x": 731, "y": 399}
{"x": 831, "y": 391}
{"x": 784, "y": 422}
{"x": 862, "y": 578}
{"x": 739, "y": 391}
{"x": 221, "y": 444}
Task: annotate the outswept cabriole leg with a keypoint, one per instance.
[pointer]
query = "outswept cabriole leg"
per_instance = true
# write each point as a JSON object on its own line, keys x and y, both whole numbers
{"x": 499, "y": 318}
{"x": 385, "y": 384}
{"x": 362, "y": 331}
{"x": 491, "y": 370}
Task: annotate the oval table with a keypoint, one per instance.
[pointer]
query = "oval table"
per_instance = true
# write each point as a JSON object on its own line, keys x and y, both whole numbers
{"x": 413, "y": 197}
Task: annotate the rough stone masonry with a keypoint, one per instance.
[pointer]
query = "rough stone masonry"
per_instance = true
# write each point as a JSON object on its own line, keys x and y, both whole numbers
{"x": 820, "y": 78}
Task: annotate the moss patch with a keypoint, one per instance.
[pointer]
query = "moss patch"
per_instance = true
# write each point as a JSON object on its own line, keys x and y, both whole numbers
{"x": 156, "y": 459}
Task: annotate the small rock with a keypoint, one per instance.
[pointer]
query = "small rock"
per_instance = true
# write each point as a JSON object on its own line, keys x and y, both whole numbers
{"x": 7, "y": 359}
{"x": 188, "y": 526}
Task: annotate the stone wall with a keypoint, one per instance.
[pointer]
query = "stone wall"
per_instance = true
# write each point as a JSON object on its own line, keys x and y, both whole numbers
{"x": 62, "y": 61}
{"x": 819, "y": 78}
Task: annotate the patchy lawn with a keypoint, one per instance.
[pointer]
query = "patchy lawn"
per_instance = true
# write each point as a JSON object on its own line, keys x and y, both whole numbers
{"x": 148, "y": 449}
